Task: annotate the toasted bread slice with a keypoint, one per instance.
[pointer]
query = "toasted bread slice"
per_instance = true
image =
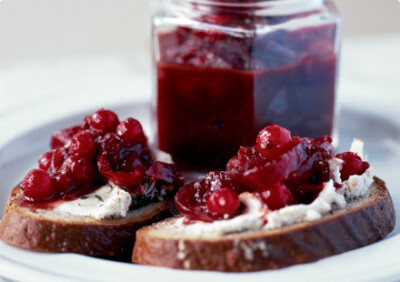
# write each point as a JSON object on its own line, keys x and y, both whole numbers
{"x": 364, "y": 221}
{"x": 51, "y": 231}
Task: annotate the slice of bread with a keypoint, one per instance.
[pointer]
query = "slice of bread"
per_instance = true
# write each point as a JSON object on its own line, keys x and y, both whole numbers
{"x": 363, "y": 221}
{"x": 51, "y": 231}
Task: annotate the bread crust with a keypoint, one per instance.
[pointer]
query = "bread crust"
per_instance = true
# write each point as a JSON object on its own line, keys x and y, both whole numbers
{"x": 50, "y": 232}
{"x": 363, "y": 223}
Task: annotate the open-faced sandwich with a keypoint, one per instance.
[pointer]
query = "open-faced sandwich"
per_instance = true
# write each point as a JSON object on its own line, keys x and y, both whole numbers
{"x": 92, "y": 191}
{"x": 285, "y": 201}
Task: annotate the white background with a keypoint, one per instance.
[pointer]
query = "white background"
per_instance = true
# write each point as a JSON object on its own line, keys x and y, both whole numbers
{"x": 35, "y": 29}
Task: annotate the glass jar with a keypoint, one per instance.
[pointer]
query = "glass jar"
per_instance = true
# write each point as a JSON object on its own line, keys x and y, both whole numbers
{"x": 224, "y": 69}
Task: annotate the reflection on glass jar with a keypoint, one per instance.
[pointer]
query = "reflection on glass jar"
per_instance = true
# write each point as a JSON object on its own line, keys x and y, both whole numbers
{"x": 226, "y": 69}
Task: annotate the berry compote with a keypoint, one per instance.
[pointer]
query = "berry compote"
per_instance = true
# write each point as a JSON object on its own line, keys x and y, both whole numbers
{"x": 102, "y": 149}
{"x": 226, "y": 69}
{"x": 280, "y": 170}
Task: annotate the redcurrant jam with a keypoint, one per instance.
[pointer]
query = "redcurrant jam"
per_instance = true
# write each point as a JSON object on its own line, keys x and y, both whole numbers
{"x": 84, "y": 157}
{"x": 294, "y": 171}
{"x": 225, "y": 72}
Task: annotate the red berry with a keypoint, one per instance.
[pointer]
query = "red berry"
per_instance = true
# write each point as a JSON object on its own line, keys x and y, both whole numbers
{"x": 191, "y": 199}
{"x": 126, "y": 180}
{"x": 130, "y": 163}
{"x": 251, "y": 169}
{"x": 62, "y": 183}
{"x": 37, "y": 185}
{"x": 111, "y": 147}
{"x": 223, "y": 201}
{"x": 352, "y": 165}
{"x": 130, "y": 131}
{"x": 79, "y": 169}
{"x": 45, "y": 160}
{"x": 59, "y": 155}
{"x": 103, "y": 121}
{"x": 277, "y": 196}
{"x": 83, "y": 145}
{"x": 272, "y": 141}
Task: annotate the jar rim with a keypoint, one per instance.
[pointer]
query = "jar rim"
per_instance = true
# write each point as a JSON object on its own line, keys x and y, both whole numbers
{"x": 250, "y": 4}
{"x": 268, "y": 7}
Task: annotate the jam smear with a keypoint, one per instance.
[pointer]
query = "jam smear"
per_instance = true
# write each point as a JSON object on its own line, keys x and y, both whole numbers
{"x": 294, "y": 171}
{"x": 102, "y": 149}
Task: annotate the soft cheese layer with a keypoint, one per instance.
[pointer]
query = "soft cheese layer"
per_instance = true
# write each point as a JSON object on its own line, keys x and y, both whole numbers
{"x": 250, "y": 219}
{"x": 109, "y": 201}
{"x": 300, "y": 213}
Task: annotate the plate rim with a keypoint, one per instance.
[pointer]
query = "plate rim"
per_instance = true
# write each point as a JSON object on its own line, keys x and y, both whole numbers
{"x": 295, "y": 270}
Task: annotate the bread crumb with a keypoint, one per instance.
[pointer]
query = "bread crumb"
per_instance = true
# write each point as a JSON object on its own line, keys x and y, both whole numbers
{"x": 186, "y": 264}
{"x": 181, "y": 250}
{"x": 181, "y": 255}
{"x": 249, "y": 248}
{"x": 181, "y": 245}
{"x": 248, "y": 251}
{"x": 262, "y": 246}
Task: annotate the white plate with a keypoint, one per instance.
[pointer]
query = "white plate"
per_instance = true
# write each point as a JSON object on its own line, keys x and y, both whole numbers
{"x": 380, "y": 261}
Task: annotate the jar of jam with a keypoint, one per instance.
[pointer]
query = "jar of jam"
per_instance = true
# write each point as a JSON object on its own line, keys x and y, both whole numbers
{"x": 224, "y": 69}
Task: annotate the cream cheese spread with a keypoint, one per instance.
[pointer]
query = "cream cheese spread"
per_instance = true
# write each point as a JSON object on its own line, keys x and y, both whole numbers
{"x": 358, "y": 185}
{"x": 301, "y": 213}
{"x": 250, "y": 219}
{"x": 109, "y": 201}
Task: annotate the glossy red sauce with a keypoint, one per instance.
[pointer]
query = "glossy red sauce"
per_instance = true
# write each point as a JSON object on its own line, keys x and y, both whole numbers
{"x": 102, "y": 149}
{"x": 280, "y": 171}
